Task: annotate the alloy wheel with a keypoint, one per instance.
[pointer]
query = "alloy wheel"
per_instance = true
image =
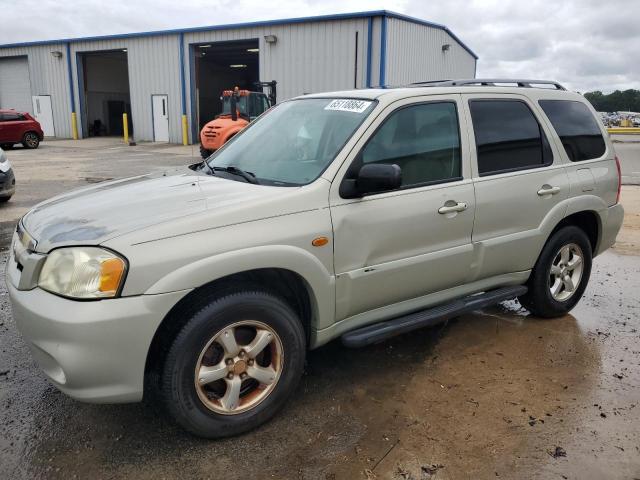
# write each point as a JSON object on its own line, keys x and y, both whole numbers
{"x": 239, "y": 367}
{"x": 566, "y": 272}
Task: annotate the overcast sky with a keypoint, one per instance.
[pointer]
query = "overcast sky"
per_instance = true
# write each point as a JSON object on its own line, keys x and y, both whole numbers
{"x": 584, "y": 44}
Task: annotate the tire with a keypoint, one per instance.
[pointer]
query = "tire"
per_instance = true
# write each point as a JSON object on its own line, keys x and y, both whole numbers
{"x": 209, "y": 410}
{"x": 204, "y": 153}
{"x": 6, "y": 146}
{"x": 30, "y": 140}
{"x": 568, "y": 251}
{"x": 4, "y": 199}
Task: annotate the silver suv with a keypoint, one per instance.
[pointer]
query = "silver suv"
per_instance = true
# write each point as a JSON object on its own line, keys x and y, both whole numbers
{"x": 359, "y": 214}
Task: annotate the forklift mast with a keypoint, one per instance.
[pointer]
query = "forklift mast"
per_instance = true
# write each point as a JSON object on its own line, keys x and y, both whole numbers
{"x": 271, "y": 92}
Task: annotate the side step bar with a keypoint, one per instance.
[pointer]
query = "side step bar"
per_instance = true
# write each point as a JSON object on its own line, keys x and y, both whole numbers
{"x": 380, "y": 331}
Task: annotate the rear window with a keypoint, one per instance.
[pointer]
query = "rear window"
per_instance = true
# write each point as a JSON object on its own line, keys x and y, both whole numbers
{"x": 577, "y": 128}
{"x": 11, "y": 117}
{"x": 508, "y": 136}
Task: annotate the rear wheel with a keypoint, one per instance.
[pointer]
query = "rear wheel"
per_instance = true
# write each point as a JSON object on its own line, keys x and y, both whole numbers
{"x": 30, "y": 140}
{"x": 234, "y": 364}
{"x": 560, "y": 275}
{"x": 4, "y": 199}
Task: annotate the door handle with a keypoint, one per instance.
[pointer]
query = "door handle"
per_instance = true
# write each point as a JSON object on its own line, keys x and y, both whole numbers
{"x": 548, "y": 190}
{"x": 453, "y": 208}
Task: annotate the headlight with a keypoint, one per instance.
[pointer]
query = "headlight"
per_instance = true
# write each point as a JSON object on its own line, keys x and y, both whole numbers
{"x": 82, "y": 272}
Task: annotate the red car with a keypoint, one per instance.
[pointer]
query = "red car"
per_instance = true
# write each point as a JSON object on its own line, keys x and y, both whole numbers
{"x": 19, "y": 127}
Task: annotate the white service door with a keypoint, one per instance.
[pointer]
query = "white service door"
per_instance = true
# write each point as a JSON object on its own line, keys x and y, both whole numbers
{"x": 44, "y": 114}
{"x": 160, "y": 105}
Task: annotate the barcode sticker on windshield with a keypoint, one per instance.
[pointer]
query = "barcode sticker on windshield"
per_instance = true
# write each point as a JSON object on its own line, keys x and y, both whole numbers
{"x": 348, "y": 105}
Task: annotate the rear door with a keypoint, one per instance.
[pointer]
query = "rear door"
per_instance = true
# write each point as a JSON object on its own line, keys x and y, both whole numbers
{"x": 399, "y": 245}
{"x": 519, "y": 181}
{"x": 12, "y": 127}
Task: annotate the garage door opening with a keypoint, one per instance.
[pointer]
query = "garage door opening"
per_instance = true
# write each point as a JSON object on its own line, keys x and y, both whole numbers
{"x": 222, "y": 66}
{"x": 105, "y": 93}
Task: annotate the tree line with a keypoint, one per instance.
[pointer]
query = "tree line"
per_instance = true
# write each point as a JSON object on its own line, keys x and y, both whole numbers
{"x": 617, "y": 101}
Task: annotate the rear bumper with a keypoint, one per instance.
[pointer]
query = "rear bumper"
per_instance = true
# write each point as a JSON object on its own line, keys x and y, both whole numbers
{"x": 93, "y": 351}
{"x": 611, "y": 225}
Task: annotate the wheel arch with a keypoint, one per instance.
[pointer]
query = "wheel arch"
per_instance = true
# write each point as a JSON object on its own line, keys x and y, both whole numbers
{"x": 286, "y": 284}
{"x": 588, "y": 221}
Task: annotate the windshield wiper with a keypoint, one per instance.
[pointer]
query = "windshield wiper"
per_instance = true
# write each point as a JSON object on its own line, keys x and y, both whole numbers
{"x": 248, "y": 176}
{"x": 208, "y": 167}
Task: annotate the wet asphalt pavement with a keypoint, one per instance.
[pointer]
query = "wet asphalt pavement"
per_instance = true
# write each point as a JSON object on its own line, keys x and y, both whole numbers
{"x": 494, "y": 394}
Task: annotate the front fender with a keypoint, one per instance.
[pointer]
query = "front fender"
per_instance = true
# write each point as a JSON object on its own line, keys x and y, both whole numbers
{"x": 320, "y": 282}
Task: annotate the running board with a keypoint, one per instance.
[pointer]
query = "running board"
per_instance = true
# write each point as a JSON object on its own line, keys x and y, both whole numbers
{"x": 380, "y": 331}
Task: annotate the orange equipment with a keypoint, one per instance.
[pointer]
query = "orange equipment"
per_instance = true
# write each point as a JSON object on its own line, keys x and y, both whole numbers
{"x": 239, "y": 107}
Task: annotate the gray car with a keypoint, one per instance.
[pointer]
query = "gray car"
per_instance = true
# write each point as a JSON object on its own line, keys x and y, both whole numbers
{"x": 7, "y": 178}
{"x": 356, "y": 215}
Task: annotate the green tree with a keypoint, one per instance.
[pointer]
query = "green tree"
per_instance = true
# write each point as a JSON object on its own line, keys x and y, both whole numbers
{"x": 627, "y": 100}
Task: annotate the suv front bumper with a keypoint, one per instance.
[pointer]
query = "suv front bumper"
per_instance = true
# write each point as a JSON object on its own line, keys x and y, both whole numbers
{"x": 94, "y": 351}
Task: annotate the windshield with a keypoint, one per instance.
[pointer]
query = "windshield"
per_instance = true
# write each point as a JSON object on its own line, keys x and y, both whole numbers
{"x": 241, "y": 105}
{"x": 295, "y": 141}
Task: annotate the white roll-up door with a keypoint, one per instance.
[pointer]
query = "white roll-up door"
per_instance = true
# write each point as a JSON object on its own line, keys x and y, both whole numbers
{"x": 15, "y": 86}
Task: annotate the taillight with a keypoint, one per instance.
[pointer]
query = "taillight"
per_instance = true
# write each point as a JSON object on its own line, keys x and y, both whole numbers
{"x": 619, "y": 179}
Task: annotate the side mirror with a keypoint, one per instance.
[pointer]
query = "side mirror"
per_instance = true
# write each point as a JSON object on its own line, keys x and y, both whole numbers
{"x": 372, "y": 178}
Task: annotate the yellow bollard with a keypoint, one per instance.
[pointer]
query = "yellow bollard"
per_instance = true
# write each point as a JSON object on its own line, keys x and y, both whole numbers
{"x": 125, "y": 127}
{"x": 185, "y": 134}
{"x": 74, "y": 125}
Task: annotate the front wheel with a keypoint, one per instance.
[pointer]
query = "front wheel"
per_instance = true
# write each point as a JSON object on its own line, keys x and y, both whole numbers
{"x": 234, "y": 364}
{"x": 30, "y": 140}
{"x": 560, "y": 275}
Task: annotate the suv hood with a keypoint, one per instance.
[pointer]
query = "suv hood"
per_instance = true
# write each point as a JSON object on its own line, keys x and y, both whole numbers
{"x": 93, "y": 215}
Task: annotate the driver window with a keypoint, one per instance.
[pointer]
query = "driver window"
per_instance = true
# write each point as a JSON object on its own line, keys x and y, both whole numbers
{"x": 423, "y": 140}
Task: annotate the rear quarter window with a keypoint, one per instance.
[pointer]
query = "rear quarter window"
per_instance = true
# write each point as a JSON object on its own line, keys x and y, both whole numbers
{"x": 577, "y": 128}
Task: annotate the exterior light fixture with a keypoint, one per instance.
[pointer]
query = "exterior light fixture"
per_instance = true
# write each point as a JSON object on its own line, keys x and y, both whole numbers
{"x": 238, "y": 65}
{"x": 124, "y": 50}
{"x": 253, "y": 50}
{"x": 270, "y": 38}
{"x": 205, "y": 46}
{"x": 446, "y": 47}
{"x": 56, "y": 54}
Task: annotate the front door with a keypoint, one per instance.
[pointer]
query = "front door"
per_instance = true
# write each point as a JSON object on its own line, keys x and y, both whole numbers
{"x": 44, "y": 114}
{"x": 400, "y": 245}
{"x": 160, "y": 105}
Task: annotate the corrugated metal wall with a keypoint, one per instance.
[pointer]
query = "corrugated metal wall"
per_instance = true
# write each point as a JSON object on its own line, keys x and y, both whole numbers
{"x": 154, "y": 68}
{"x": 414, "y": 53}
{"x": 307, "y": 57}
{"x": 48, "y": 75}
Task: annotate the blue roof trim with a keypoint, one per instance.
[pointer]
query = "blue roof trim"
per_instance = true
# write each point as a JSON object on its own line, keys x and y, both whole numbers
{"x": 382, "y": 77}
{"x": 262, "y": 23}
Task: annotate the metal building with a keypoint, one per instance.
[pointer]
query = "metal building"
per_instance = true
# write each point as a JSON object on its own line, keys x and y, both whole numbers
{"x": 169, "y": 82}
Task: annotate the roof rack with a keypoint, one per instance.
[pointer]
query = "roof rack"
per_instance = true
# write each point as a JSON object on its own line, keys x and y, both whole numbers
{"x": 490, "y": 82}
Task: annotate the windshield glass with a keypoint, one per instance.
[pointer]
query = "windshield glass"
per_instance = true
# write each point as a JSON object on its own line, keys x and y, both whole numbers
{"x": 294, "y": 142}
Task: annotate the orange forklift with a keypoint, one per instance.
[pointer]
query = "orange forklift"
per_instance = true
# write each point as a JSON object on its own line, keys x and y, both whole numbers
{"x": 239, "y": 107}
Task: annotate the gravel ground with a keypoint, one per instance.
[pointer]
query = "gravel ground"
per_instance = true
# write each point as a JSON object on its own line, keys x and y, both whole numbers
{"x": 494, "y": 394}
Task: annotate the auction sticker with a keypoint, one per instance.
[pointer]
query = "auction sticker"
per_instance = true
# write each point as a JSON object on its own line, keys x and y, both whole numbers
{"x": 348, "y": 105}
